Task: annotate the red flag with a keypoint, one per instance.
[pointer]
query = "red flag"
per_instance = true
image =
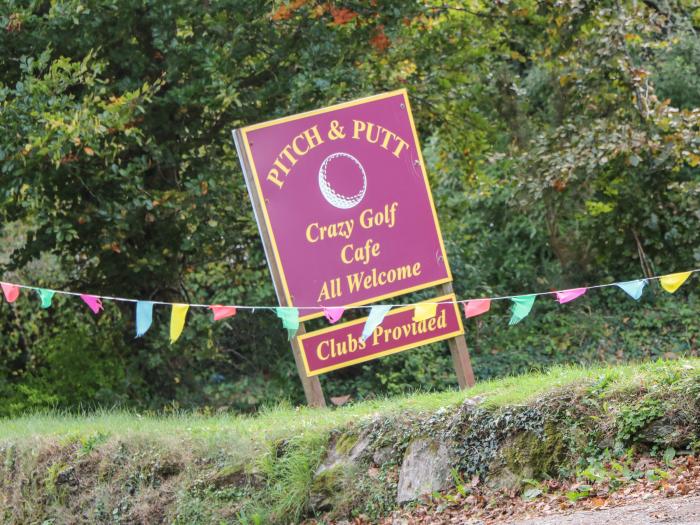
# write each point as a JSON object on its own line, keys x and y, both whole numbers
{"x": 222, "y": 312}
{"x": 11, "y": 292}
{"x": 476, "y": 307}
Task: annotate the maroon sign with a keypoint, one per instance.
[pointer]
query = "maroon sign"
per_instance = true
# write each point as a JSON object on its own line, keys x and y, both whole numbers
{"x": 346, "y": 204}
{"x": 340, "y": 345}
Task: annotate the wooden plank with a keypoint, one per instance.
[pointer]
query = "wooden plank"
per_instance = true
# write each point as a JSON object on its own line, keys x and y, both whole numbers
{"x": 460, "y": 353}
{"x": 312, "y": 385}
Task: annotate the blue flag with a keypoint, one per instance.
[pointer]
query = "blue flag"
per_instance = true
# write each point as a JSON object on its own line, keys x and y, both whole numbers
{"x": 633, "y": 288}
{"x": 376, "y": 316}
{"x": 144, "y": 317}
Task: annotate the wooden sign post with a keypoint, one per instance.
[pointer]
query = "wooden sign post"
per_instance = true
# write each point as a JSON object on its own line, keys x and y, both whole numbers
{"x": 343, "y": 205}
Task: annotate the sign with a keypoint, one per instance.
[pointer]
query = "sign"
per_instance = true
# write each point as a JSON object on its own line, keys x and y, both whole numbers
{"x": 340, "y": 345}
{"x": 345, "y": 204}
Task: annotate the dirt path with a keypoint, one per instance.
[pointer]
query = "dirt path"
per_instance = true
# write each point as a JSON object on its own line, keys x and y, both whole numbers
{"x": 665, "y": 494}
{"x": 684, "y": 510}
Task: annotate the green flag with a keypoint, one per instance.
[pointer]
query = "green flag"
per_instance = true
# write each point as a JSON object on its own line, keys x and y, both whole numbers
{"x": 46, "y": 297}
{"x": 521, "y": 307}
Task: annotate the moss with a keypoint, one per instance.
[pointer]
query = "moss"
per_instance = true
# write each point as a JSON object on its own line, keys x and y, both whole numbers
{"x": 535, "y": 456}
{"x": 345, "y": 442}
{"x": 327, "y": 488}
{"x": 229, "y": 475}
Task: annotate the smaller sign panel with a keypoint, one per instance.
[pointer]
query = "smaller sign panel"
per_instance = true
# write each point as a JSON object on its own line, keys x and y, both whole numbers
{"x": 340, "y": 346}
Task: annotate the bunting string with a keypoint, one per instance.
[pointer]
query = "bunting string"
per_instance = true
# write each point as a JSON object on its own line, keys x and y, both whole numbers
{"x": 521, "y": 307}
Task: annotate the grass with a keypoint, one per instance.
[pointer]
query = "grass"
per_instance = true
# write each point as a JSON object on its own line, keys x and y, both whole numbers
{"x": 281, "y": 421}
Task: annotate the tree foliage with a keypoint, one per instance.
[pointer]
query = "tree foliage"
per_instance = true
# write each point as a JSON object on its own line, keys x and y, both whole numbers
{"x": 563, "y": 143}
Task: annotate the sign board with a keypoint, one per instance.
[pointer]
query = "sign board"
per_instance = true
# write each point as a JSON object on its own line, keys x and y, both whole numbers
{"x": 345, "y": 203}
{"x": 342, "y": 201}
{"x": 339, "y": 346}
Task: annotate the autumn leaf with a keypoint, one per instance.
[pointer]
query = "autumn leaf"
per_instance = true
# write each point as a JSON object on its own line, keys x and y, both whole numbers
{"x": 380, "y": 41}
{"x": 342, "y": 15}
{"x": 282, "y": 13}
{"x": 340, "y": 400}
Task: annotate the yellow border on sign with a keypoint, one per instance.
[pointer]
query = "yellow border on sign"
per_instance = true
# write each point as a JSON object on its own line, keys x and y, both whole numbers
{"x": 244, "y": 134}
{"x": 443, "y": 299}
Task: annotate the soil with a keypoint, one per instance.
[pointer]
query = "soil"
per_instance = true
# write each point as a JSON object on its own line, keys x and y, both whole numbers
{"x": 684, "y": 510}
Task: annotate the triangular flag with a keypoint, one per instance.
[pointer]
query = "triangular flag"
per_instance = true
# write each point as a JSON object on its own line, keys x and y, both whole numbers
{"x": 46, "y": 297}
{"x": 633, "y": 288}
{"x": 333, "y": 313}
{"x": 177, "y": 320}
{"x": 521, "y": 307}
{"x": 144, "y": 317}
{"x": 376, "y": 316}
{"x": 476, "y": 307}
{"x": 424, "y": 311}
{"x": 222, "y": 312}
{"x": 564, "y": 296}
{"x": 11, "y": 292}
{"x": 94, "y": 302}
{"x": 290, "y": 319}
{"x": 673, "y": 281}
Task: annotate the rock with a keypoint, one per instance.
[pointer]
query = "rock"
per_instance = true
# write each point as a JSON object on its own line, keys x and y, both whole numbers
{"x": 503, "y": 478}
{"x": 525, "y": 456}
{"x": 383, "y": 455}
{"x": 667, "y": 432}
{"x": 426, "y": 468}
{"x": 324, "y": 488}
{"x": 344, "y": 449}
{"x": 344, "y": 453}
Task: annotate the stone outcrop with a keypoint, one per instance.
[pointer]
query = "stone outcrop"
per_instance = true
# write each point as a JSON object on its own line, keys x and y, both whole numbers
{"x": 426, "y": 468}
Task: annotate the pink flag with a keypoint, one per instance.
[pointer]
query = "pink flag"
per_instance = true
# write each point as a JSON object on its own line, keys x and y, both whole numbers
{"x": 11, "y": 292}
{"x": 565, "y": 296}
{"x": 476, "y": 307}
{"x": 333, "y": 314}
{"x": 94, "y": 302}
{"x": 222, "y": 312}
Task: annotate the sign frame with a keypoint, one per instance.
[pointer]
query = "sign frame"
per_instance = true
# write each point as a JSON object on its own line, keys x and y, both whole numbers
{"x": 243, "y": 144}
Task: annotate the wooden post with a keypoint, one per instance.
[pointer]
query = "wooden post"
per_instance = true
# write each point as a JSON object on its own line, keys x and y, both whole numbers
{"x": 460, "y": 353}
{"x": 312, "y": 385}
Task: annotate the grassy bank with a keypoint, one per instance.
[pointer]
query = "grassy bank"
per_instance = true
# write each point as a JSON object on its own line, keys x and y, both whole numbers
{"x": 195, "y": 468}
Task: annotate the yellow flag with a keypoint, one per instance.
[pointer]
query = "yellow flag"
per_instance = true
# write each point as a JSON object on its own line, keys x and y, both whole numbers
{"x": 177, "y": 320}
{"x": 673, "y": 281}
{"x": 424, "y": 311}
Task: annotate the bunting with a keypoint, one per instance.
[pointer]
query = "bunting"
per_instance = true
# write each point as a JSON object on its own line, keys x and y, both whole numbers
{"x": 376, "y": 316}
{"x": 633, "y": 288}
{"x": 290, "y": 319}
{"x": 520, "y": 308}
{"x": 94, "y": 302}
{"x": 222, "y": 312}
{"x": 476, "y": 307}
{"x": 673, "y": 281}
{"x": 333, "y": 314}
{"x": 46, "y": 297}
{"x": 566, "y": 296}
{"x": 177, "y": 320}
{"x": 11, "y": 292}
{"x": 144, "y": 317}
{"x": 424, "y": 311}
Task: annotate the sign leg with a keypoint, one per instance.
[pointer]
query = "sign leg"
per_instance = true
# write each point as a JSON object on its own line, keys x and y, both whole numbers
{"x": 312, "y": 385}
{"x": 460, "y": 354}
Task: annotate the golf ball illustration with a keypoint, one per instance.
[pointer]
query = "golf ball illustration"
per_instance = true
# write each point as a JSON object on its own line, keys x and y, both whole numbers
{"x": 340, "y": 161}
